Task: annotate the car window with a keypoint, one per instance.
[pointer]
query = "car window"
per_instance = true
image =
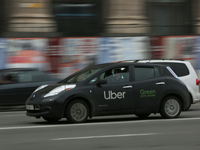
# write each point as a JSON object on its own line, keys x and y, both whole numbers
{"x": 116, "y": 75}
{"x": 143, "y": 73}
{"x": 179, "y": 68}
{"x": 24, "y": 77}
{"x": 32, "y": 76}
{"x": 80, "y": 75}
{"x": 38, "y": 76}
{"x": 9, "y": 77}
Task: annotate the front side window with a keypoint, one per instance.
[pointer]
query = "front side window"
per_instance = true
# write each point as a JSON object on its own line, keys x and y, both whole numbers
{"x": 144, "y": 73}
{"x": 24, "y": 77}
{"x": 34, "y": 76}
{"x": 81, "y": 75}
{"x": 116, "y": 75}
{"x": 13, "y": 77}
{"x": 8, "y": 78}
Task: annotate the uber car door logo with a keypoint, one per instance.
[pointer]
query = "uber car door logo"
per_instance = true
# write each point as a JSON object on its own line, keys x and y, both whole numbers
{"x": 113, "y": 95}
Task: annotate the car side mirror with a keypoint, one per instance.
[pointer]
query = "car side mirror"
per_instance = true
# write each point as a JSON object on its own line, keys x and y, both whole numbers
{"x": 101, "y": 81}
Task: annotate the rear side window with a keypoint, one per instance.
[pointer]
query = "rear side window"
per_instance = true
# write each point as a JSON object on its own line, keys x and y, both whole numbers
{"x": 143, "y": 73}
{"x": 179, "y": 68}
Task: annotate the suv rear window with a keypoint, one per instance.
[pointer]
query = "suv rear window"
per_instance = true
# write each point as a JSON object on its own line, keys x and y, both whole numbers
{"x": 179, "y": 68}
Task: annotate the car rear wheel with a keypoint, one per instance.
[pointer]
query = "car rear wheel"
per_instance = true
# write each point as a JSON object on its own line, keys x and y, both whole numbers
{"x": 77, "y": 111}
{"x": 170, "y": 107}
{"x": 51, "y": 120}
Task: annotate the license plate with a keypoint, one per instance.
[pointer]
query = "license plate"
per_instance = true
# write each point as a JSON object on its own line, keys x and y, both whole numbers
{"x": 29, "y": 107}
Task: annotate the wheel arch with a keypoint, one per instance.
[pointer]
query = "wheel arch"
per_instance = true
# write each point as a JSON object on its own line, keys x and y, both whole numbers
{"x": 190, "y": 90}
{"x": 175, "y": 95}
{"x": 87, "y": 101}
{"x": 191, "y": 98}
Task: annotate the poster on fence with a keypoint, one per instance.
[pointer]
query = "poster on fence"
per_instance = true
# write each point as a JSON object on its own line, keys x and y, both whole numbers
{"x": 54, "y": 54}
{"x": 27, "y": 52}
{"x": 112, "y": 49}
{"x": 173, "y": 47}
{"x": 77, "y": 53}
{"x": 2, "y": 53}
{"x": 156, "y": 47}
{"x": 197, "y": 55}
{"x": 179, "y": 47}
{"x": 108, "y": 50}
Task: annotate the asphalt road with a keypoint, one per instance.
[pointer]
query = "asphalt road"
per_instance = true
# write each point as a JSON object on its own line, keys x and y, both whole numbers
{"x": 19, "y": 132}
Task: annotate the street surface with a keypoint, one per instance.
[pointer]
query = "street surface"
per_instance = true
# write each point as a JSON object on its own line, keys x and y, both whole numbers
{"x": 20, "y": 132}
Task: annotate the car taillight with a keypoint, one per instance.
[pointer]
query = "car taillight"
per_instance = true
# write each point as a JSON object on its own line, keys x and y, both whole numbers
{"x": 197, "y": 81}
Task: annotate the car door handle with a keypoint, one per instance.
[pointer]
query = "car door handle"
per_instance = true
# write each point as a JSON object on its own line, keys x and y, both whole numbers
{"x": 160, "y": 83}
{"x": 127, "y": 87}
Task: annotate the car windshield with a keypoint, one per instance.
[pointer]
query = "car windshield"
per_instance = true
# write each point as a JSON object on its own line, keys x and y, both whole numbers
{"x": 81, "y": 75}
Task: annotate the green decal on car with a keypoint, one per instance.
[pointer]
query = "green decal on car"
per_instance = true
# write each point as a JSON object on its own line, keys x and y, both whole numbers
{"x": 147, "y": 93}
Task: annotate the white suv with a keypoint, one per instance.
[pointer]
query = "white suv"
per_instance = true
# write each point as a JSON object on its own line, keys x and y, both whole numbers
{"x": 185, "y": 72}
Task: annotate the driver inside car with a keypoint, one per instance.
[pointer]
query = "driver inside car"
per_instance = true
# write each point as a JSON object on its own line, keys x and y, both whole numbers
{"x": 117, "y": 77}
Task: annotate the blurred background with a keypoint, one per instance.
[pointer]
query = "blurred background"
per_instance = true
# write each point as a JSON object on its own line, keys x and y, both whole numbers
{"x": 63, "y": 36}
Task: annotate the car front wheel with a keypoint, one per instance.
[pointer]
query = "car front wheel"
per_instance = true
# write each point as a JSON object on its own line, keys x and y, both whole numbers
{"x": 170, "y": 107}
{"x": 77, "y": 111}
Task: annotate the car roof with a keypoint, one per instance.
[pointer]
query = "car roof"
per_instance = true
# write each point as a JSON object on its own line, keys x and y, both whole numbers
{"x": 124, "y": 63}
{"x": 161, "y": 60}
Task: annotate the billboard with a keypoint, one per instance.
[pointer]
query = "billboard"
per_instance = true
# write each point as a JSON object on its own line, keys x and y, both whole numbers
{"x": 2, "y": 53}
{"x": 27, "y": 52}
{"x": 112, "y": 49}
{"x": 77, "y": 53}
{"x": 173, "y": 47}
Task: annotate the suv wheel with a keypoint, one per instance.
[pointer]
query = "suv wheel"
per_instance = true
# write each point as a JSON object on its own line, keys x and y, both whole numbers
{"x": 77, "y": 111}
{"x": 170, "y": 107}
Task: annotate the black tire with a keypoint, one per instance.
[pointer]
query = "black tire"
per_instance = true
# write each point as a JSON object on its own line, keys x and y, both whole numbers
{"x": 51, "y": 120}
{"x": 142, "y": 116}
{"x": 170, "y": 107}
{"x": 77, "y": 111}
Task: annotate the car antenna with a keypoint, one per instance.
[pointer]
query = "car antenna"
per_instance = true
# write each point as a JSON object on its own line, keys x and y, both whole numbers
{"x": 151, "y": 59}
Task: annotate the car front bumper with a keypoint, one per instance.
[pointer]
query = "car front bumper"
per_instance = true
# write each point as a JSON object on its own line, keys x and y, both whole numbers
{"x": 48, "y": 107}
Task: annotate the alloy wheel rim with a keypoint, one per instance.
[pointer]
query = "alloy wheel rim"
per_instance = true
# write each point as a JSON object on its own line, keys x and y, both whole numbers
{"x": 172, "y": 107}
{"x": 78, "y": 111}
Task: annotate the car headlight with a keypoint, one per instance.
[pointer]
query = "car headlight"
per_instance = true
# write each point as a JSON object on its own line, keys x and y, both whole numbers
{"x": 40, "y": 87}
{"x": 59, "y": 89}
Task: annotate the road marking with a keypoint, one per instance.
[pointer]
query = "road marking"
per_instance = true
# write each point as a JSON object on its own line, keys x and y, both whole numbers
{"x": 92, "y": 124}
{"x": 13, "y": 112}
{"x": 12, "y": 116}
{"x": 103, "y": 136}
